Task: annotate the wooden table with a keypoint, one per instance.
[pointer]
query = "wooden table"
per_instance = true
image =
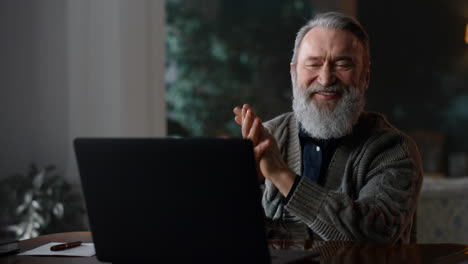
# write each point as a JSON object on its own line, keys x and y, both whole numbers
{"x": 329, "y": 252}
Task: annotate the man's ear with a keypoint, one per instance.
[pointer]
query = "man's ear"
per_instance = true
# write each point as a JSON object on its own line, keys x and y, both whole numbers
{"x": 292, "y": 70}
{"x": 367, "y": 77}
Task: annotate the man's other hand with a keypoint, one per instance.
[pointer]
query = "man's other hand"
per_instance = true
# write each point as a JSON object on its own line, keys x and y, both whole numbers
{"x": 270, "y": 163}
{"x": 252, "y": 128}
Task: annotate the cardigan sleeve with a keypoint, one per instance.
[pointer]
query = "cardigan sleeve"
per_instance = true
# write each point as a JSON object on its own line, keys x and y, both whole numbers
{"x": 387, "y": 178}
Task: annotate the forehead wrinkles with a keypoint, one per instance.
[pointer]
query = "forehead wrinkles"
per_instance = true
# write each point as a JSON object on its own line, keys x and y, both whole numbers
{"x": 321, "y": 42}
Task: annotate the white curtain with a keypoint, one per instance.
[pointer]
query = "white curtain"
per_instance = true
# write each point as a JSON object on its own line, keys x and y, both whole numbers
{"x": 116, "y": 69}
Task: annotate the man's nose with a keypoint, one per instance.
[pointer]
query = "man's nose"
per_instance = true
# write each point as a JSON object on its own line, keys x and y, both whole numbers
{"x": 326, "y": 76}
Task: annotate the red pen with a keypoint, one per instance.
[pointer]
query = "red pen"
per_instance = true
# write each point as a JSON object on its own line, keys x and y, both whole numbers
{"x": 65, "y": 246}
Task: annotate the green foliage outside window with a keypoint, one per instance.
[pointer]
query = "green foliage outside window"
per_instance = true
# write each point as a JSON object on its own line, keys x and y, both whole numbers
{"x": 226, "y": 53}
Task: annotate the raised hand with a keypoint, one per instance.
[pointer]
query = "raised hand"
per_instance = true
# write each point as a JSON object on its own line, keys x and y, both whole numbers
{"x": 252, "y": 128}
{"x": 270, "y": 163}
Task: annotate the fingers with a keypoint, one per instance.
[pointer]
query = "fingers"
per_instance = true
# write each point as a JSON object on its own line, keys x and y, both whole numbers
{"x": 245, "y": 108}
{"x": 237, "y": 110}
{"x": 255, "y": 131}
{"x": 240, "y": 113}
{"x": 247, "y": 123}
{"x": 244, "y": 117}
{"x": 238, "y": 120}
{"x": 244, "y": 111}
{"x": 251, "y": 125}
{"x": 260, "y": 148}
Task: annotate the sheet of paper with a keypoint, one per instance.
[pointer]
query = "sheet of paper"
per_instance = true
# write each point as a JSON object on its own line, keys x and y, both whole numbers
{"x": 84, "y": 250}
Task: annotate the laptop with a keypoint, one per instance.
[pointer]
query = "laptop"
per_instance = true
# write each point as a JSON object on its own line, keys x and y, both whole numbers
{"x": 192, "y": 200}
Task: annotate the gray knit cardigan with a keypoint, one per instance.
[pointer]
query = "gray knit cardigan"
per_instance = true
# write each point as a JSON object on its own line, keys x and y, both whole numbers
{"x": 369, "y": 193}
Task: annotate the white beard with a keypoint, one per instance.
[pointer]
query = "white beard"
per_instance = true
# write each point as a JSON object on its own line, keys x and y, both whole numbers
{"x": 324, "y": 121}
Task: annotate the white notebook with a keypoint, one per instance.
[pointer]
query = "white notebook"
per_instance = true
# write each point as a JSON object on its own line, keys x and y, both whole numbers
{"x": 83, "y": 250}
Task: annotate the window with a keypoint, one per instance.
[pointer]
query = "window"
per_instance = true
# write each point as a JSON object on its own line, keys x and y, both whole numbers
{"x": 223, "y": 53}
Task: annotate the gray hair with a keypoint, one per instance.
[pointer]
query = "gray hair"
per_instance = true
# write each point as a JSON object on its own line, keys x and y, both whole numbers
{"x": 333, "y": 20}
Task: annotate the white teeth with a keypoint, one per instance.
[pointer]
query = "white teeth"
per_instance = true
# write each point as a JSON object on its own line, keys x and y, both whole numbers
{"x": 327, "y": 93}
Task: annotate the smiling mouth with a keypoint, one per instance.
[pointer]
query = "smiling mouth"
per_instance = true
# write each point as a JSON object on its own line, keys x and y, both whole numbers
{"x": 327, "y": 95}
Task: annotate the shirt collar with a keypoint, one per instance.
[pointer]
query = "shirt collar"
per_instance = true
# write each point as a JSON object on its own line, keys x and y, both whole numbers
{"x": 304, "y": 137}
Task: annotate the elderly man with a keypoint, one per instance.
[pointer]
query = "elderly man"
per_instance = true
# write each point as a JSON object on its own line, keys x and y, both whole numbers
{"x": 332, "y": 171}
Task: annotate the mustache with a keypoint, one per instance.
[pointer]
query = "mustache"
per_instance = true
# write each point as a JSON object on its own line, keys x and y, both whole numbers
{"x": 317, "y": 88}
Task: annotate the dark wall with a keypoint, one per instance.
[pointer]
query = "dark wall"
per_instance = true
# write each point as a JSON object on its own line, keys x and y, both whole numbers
{"x": 419, "y": 72}
{"x": 33, "y": 81}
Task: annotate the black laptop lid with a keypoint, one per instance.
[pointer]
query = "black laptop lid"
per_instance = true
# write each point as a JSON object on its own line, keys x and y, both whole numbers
{"x": 193, "y": 199}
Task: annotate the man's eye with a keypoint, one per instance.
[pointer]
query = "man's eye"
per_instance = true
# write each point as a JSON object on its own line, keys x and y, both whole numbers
{"x": 314, "y": 65}
{"x": 343, "y": 66}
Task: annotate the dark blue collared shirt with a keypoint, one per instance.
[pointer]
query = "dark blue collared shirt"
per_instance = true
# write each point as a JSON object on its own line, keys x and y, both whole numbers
{"x": 316, "y": 156}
